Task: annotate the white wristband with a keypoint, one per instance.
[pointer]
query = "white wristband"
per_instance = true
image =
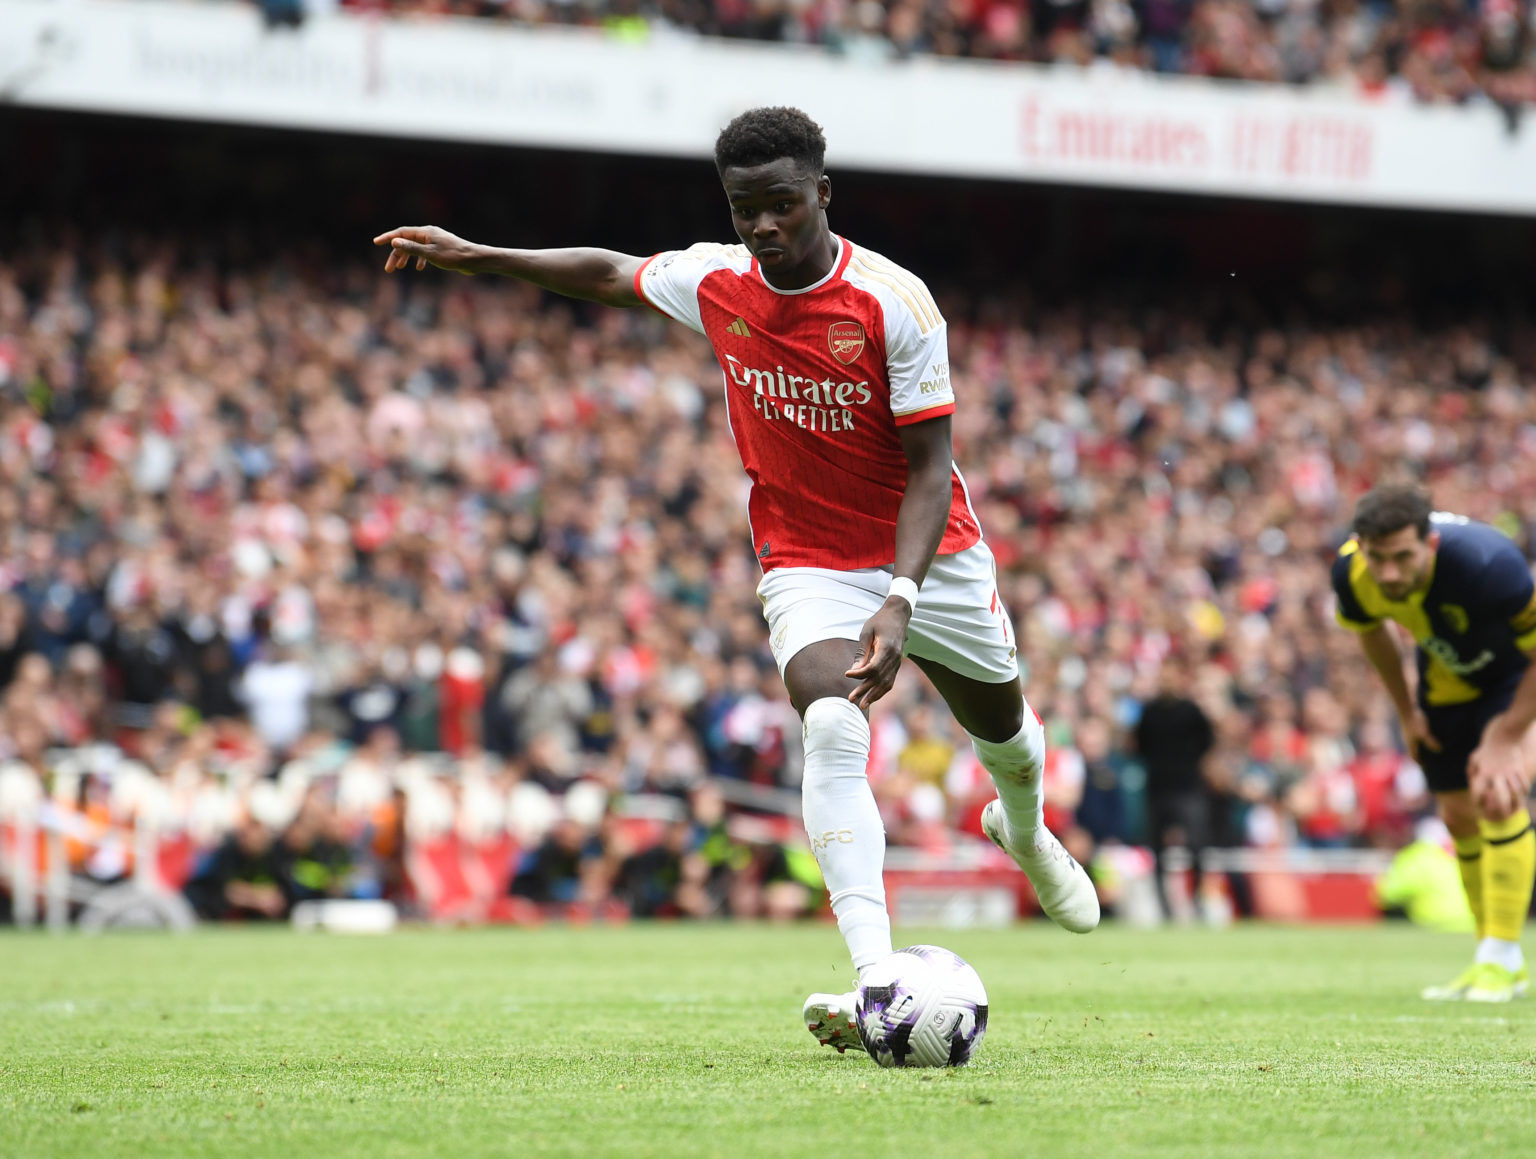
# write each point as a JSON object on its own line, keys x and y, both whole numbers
{"x": 906, "y": 588}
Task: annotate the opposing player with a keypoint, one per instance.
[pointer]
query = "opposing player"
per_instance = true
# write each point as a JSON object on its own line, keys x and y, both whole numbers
{"x": 838, "y": 392}
{"x": 1464, "y": 592}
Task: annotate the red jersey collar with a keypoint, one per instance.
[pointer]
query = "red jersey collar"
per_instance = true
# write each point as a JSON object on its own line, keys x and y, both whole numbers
{"x": 844, "y": 253}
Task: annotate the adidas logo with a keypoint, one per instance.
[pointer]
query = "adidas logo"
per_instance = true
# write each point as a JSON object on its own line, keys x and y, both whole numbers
{"x": 739, "y": 328}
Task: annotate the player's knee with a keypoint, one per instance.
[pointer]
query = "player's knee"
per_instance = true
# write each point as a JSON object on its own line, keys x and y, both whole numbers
{"x": 1004, "y": 727}
{"x": 1497, "y": 811}
{"x": 1022, "y": 757}
{"x": 1459, "y": 814}
{"x": 835, "y": 725}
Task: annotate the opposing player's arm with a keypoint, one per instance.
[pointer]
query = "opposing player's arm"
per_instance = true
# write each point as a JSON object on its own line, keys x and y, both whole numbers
{"x": 1382, "y": 651}
{"x": 594, "y": 275}
{"x": 1351, "y": 613}
{"x": 1500, "y": 769}
{"x": 1517, "y": 719}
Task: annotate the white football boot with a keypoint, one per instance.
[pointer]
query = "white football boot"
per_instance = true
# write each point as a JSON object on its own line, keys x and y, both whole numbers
{"x": 830, "y": 1017}
{"x": 1064, "y": 888}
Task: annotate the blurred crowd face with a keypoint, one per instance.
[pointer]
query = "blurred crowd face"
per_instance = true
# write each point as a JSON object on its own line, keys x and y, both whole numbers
{"x": 1401, "y": 563}
{"x": 253, "y": 836}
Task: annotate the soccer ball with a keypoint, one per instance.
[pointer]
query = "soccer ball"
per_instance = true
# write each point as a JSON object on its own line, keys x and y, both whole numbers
{"x": 922, "y": 1006}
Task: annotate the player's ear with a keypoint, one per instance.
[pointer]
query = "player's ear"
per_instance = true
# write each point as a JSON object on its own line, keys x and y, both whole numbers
{"x": 1433, "y": 539}
{"x": 823, "y": 191}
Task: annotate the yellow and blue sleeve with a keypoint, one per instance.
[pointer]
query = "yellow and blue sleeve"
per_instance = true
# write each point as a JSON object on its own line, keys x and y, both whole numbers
{"x": 1350, "y": 610}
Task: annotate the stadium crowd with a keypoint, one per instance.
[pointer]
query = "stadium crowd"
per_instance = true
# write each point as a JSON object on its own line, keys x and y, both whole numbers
{"x": 314, "y": 571}
{"x": 1381, "y": 50}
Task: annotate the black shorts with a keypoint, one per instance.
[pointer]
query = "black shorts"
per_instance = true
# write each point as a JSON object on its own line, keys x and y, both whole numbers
{"x": 1459, "y": 729}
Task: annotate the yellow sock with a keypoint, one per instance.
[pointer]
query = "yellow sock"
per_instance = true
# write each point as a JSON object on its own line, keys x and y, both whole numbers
{"x": 1469, "y": 859}
{"x": 1509, "y": 868}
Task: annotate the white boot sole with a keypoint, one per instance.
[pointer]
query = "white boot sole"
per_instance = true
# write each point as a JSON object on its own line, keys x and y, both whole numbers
{"x": 830, "y": 1018}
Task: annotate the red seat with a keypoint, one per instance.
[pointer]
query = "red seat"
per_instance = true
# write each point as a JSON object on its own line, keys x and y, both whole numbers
{"x": 175, "y": 860}
{"x": 437, "y": 869}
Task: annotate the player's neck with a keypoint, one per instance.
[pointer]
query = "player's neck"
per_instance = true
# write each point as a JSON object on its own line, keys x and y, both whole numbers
{"x": 817, "y": 265}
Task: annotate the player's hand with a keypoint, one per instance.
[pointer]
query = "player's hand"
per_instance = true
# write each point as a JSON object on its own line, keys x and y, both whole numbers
{"x": 1416, "y": 734}
{"x": 1499, "y": 773}
{"x": 879, "y": 657}
{"x": 428, "y": 245}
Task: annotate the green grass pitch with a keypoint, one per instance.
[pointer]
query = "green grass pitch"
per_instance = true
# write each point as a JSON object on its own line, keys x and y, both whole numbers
{"x": 677, "y": 1041}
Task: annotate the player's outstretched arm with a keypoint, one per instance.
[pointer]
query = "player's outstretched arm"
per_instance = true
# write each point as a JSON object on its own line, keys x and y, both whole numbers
{"x": 594, "y": 275}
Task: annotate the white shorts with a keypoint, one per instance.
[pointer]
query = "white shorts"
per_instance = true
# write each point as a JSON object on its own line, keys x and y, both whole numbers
{"x": 960, "y": 621}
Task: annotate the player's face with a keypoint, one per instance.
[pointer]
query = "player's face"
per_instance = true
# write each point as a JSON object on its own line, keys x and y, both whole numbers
{"x": 1399, "y": 563}
{"x": 777, "y": 210}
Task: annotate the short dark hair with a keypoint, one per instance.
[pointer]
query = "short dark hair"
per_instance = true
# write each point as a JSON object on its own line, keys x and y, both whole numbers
{"x": 1388, "y": 509}
{"x": 771, "y": 133}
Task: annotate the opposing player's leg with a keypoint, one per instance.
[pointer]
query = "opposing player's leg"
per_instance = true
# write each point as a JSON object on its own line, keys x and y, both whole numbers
{"x": 1460, "y": 817}
{"x": 1009, "y": 740}
{"x": 841, "y": 820}
{"x": 1496, "y": 856}
{"x": 1509, "y": 858}
{"x": 1509, "y": 867}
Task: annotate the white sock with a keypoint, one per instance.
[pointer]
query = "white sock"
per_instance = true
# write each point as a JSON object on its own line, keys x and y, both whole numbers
{"x": 843, "y": 823}
{"x": 1016, "y": 766}
{"x": 1500, "y": 953}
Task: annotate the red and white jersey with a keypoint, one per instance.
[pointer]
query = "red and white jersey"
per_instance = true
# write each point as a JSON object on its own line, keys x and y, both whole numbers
{"x": 816, "y": 383}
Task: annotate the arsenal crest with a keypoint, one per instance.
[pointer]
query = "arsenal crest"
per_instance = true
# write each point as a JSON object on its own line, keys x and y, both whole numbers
{"x": 846, "y": 340}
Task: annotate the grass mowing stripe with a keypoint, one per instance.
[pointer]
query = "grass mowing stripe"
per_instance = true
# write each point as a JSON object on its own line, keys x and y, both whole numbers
{"x": 676, "y": 1041}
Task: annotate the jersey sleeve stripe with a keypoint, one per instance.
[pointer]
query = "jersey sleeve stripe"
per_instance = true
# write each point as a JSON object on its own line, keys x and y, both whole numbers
{"x": 937, "y": 410}
{"x": 920, "y": 291}
{"x": 914, "y": 284}
{"x": 909, "y": 288}
{"x": 1527, "y": 642}
{"x": 1524, "y": 621}
{"x": 1354, "y": 625}
{"x": 918, "y": 314}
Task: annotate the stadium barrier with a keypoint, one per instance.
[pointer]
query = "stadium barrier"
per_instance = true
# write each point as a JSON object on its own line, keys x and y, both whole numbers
{"x": 462, "y": 879}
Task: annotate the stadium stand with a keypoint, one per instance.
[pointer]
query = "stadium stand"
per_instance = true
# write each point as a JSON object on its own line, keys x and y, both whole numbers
{"x": 1388, "y": 51}
{"x": 438, "y": 591}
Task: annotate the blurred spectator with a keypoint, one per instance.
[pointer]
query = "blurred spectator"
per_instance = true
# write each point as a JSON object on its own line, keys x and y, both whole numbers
{"x": 241, "y": 878}
{"x": 314, "y": 857}
{"x": 562, "y": 873}
{"x": 665, "y": 879}
{"x": 1173, "y": 738}
{"x": 1102, "y": 809}
{"x": 275, "y": 687}
{"x": 143, "y": 655}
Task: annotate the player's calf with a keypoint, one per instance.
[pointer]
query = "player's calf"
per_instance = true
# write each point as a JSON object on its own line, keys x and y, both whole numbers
{"x": 1062, "y": 886}
{"x": 1015, "y": 824}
